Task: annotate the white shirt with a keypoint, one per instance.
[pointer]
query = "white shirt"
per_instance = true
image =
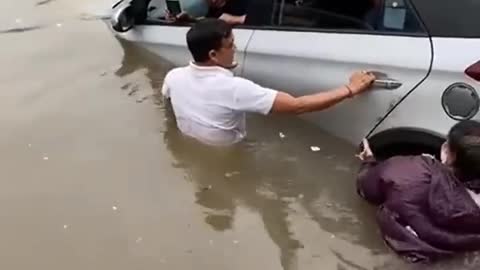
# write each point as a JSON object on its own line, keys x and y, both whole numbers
{"x": 210, "y": 102}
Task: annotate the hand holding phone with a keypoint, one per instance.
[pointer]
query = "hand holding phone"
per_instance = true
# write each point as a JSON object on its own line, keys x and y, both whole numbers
{"x": 173, "y": 7}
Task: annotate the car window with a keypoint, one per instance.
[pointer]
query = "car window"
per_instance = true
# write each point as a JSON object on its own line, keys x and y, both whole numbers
{"x": 364, "y": 15}
{"x": 447, "y": 18}
{"x": 156, "y": 9}
{"x": 261, "y": 13}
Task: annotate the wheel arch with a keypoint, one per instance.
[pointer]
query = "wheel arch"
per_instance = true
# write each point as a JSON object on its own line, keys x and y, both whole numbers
{"x": 405, "y": 141}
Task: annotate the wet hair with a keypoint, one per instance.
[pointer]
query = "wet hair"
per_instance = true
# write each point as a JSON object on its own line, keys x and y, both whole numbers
{"x": 464, "y": 143}
{"x": 207, "y": 35}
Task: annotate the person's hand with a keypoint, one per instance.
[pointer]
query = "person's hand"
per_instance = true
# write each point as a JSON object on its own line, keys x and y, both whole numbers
{"x": 367, "y": 151}
{"x": 360, "y": 82}
{"x": 168, "y": 16}
{"x": 185, "y": 17}
{"x": 231, "y": 19}
{"x": 182, "y": 16}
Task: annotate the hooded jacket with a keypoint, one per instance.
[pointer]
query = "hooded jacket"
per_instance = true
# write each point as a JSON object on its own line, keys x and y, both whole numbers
{"x": 425, "y": 212}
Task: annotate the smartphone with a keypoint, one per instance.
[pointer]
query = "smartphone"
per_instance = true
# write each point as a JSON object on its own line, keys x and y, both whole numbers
{"x": 174, "y": 7}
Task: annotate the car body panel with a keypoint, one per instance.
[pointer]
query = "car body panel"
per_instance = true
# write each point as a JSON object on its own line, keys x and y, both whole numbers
{"x": 169, "y": 42}
{"x": 304, "y": 63}
{"x": 422, "y": 109}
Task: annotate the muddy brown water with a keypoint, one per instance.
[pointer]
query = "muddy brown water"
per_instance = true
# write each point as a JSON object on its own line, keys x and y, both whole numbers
{"x": 95, "y": 175}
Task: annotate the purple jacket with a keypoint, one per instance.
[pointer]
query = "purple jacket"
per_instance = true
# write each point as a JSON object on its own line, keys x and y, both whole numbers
{"x": 425, "y": 212}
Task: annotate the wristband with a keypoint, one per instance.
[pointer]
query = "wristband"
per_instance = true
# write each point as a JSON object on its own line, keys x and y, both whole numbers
{"x": 350, "y": 92}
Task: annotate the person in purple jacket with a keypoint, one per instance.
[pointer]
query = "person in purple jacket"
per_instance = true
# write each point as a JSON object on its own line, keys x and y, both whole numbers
{"x": 428, "y": 209}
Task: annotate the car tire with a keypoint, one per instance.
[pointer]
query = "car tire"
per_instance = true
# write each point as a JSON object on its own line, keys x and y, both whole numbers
{"x": 405, "y": 141}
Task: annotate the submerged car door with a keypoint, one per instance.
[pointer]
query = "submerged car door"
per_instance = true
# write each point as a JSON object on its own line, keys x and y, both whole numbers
{"x": 314, "y": 46}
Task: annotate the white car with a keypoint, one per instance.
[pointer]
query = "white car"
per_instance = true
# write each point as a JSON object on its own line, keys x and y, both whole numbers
{"x": 425, "y": 52}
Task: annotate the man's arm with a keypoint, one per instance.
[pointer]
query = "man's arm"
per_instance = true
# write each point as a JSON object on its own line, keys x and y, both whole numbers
{"x": 285, "y": 103}
{"x": 233, "y": 19}
{"x": 251, "y": 97}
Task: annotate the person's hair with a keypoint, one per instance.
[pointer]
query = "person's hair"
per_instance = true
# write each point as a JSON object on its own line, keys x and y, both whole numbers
{"x": 207, "y": 35}
{"x": 464, "y": 143}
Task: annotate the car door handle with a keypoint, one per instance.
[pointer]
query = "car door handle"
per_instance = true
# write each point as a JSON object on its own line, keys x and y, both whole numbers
{"x": 389, "y": 84}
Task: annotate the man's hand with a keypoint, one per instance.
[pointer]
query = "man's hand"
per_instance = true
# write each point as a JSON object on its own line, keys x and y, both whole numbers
{"x": 285, "y": 103}
{"x": 181, "y": 17}
{"x": 367, "y": 152}
{"x": 233, "y": 20}
{"x": 361, "y": 82}
{"x": 169, "y": 17}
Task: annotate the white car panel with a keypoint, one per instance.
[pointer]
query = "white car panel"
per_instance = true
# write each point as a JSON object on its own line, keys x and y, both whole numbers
{"x": 423, "y": 108}
{"x": 303, "y": 63}
{"x": 169, "y": 42}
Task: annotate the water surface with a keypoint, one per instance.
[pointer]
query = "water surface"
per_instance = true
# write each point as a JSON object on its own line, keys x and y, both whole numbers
{"x": 95, "y": 174}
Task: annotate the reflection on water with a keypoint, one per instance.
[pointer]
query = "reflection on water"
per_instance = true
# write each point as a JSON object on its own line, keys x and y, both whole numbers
{"x": 209, "y": 170}
{"x": 20, "y": 29}
{"x": 43, "y": 2}
{"x": 134, "y": 59}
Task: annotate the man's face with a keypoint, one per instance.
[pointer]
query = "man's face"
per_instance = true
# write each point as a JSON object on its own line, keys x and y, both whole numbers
{"x": 217, "y": 3}
{"x": 225, "y": 55}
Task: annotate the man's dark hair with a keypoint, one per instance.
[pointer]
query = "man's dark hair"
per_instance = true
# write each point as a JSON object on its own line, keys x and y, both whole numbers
{"x": 207, "y": 35}
{"x": 464, "y": 142}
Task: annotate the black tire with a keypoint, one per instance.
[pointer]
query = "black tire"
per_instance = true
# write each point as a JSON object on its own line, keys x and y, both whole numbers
{"x": 402, "y": 141}
{"x": 405, "y": 149}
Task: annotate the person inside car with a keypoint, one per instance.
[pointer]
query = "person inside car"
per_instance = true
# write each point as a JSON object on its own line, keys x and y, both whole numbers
{"x": 234, "y": 12}
{"x": 210, "y": 103}
{"x": 428, "y": 208}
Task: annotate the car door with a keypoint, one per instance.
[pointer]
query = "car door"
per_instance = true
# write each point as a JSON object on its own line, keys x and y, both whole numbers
{"x": 314, "y": 46}
{"x": 168, "y": 40}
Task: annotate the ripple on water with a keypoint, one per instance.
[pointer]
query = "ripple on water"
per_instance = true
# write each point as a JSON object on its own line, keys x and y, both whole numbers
{"x": 16, "y": 30}
{"x": 44, "y": 2}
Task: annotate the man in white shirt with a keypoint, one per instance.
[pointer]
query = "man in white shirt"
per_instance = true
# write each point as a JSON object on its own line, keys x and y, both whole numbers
{"x": 210, "y": 103}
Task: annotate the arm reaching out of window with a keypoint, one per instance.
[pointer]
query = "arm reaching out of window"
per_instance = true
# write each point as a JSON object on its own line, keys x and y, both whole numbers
{"x": 232, "y": 19}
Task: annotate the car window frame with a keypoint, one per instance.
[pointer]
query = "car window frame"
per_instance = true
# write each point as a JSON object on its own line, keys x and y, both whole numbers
{"x": 424, "y": 33}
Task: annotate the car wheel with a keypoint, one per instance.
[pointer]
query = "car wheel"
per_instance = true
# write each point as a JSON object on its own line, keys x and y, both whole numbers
{"x": 405, "y": 141}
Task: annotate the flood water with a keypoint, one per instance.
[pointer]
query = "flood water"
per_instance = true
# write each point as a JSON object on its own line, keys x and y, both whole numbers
{"x": 94, "y": 174}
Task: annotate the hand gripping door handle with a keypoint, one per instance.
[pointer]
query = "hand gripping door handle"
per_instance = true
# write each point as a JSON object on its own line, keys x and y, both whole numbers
{"x": 384, "y": 82}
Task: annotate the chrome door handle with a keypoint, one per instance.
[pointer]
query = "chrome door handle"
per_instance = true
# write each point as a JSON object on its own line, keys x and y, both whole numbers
{"x": 389, "y": 84}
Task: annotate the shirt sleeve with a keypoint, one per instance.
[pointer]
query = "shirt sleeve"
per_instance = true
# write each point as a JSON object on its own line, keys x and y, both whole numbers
{"x": 165, "y": 87}
{"x": 251, "y": 97}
